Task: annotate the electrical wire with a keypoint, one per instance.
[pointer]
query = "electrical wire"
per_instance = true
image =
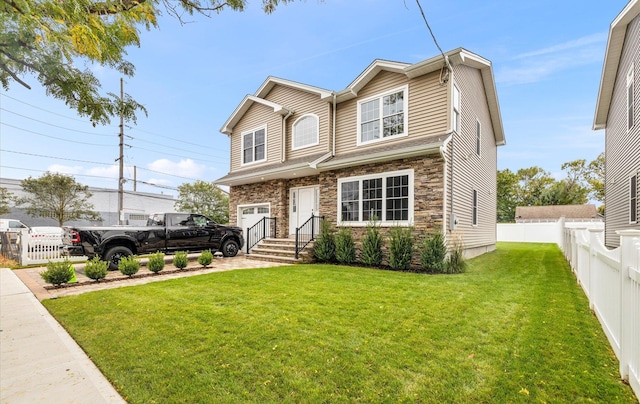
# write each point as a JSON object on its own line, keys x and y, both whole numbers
{"x": 53, "y": 157}
{"x": 54, "y": 137}
{"x": 429, "y": 27}
{"x": 55, "y": 126}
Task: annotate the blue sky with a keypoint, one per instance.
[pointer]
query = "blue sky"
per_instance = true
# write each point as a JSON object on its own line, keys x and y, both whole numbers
{"x": 547, "y": 58}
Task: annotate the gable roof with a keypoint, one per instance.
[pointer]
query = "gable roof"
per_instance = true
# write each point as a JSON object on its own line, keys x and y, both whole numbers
{"x": 615, "y": 43}
{"x": 556, "y": 212}
{"x": 456, "y": 56}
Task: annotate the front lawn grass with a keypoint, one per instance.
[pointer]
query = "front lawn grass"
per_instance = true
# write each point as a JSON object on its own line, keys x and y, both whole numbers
{"x": 514, "y": 328}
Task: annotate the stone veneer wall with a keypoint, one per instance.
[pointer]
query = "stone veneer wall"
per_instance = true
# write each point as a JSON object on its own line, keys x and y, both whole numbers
{"x": 428, "y": 196}
{"x": 274, "y": 192}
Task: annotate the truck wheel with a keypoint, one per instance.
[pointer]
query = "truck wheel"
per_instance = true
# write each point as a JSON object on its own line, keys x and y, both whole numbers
{"x": 230, "y": 248}
{"x": 115, "y": 254}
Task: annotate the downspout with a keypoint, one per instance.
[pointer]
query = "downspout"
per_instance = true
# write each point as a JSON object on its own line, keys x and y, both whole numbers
{"x": 443, "y": 154}
{"x": 333, "y": 146}
{"x": 284, "y": 135}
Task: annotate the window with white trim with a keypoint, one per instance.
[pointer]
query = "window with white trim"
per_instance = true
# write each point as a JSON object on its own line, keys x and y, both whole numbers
{"x": 383, "y": 116}
{"x": 456, "y": 109}
{"x": 305, "y": 131}
{"x": 385, "y": 197}
{"x": 474, "y": 204}
{"x": 254, "y": 146}
{"x": 478, "y": 136}
{"x": 633, "y": 199}
{"x": 630, "y": 98}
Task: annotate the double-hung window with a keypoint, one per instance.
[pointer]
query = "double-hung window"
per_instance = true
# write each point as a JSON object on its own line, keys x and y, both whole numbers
{"x": 383, "y": 116}
{"x": 386, "y": 198}
{"x": 633, "y": 199}
{"x": 474, "y": 212}
{"x": 254, "y": 146}
{"x": 455, "y": 118}
{"x": 630, "y": 98}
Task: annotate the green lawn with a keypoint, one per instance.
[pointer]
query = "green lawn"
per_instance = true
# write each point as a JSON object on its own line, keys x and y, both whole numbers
{"x": 515, "y": 328}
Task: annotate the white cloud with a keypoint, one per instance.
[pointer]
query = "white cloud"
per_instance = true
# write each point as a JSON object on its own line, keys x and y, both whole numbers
{"x": 62, "y": 169}
{"x": 109, "y": 171}
{"x": 537, "y": 65}
{"x": 183, "y": 168}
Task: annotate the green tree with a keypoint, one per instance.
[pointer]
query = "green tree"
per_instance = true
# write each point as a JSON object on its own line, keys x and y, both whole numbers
{"x": 5, "y": 200}
{"x": 204, "y": 198}
{"x": 57, "y": 42}
{"x": 58, "y": 196}
{"x": 595, "y": 175}
{"x": 507, "y": 195}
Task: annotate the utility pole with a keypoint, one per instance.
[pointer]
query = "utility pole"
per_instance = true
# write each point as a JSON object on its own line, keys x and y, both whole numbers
{"x": 121, "y": 159}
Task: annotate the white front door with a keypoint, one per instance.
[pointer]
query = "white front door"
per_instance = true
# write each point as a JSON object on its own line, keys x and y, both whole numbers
{"x": 249, "y": 216}
{"x": 304, "y": 202}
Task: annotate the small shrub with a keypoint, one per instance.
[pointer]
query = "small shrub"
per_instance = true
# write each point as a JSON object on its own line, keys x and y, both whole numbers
{"x": 345, "y": 246}
{"x": 400, "y": 248}
{"x": 372, "y": 246}
{"x": 205, "y": 258}
{"x": 58, "y": 273}
{"x": 456, "y": 263}
{"x": 325, "y": 246}
{"x": 180, "y": 260}
{"x": 433, "y": 253}
{"x": 156, "y": 262}
{"x": 96, "y": 269}
{"x": 129, "y": 265}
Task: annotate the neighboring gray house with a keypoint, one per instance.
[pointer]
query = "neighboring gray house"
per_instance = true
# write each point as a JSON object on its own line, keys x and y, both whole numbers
{"x": 409, "y": 144}
{"x": 618, "y": 112}
{"x": 553, "y": 213}
{"x": 137, "y": 206}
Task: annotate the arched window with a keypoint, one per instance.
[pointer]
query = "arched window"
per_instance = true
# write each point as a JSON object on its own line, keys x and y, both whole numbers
{"x": 305, "y": 131}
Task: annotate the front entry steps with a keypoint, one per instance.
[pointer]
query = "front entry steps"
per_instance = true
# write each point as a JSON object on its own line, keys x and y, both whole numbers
{"x": 280, "y": 250}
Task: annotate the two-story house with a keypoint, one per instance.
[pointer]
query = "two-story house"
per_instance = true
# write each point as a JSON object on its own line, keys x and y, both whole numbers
{"x": 618, "y": 113}
{"x": 405, "y": 144}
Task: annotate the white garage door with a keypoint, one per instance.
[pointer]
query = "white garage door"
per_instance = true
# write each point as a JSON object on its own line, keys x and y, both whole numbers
{"x": 249, "y": 216}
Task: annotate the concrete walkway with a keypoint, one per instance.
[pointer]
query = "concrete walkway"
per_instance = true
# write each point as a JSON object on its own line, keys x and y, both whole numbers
{"x": 39, "y": 361}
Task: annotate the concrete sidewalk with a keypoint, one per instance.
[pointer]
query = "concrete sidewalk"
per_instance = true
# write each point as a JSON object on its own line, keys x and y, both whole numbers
{"x": 39, "y": 361}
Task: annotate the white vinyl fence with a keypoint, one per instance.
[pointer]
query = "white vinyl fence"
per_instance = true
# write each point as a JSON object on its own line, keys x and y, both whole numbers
{"x": 611, "y": 281}
{"x": 30, "y": 249}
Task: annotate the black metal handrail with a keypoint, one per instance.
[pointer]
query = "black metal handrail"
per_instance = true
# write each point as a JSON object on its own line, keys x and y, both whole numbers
{"x": 307, "y": 232}
{"x": 266, "y": 227}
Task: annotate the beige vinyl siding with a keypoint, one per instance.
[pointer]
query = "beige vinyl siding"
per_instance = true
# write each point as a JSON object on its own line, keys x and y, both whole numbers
{"x": 257, "y": 116}
{"x": 622, "y": 145}
{"x": 470, "y": 171}
{"x": 427, "y": 110}
{"x": 302, "y": 102}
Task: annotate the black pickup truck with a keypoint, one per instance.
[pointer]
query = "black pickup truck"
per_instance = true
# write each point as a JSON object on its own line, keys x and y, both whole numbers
{"x": 165, "y": 232}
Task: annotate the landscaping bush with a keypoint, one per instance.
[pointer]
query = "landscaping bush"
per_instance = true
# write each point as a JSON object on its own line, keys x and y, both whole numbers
{"x": 433, "y": 253}
{"x": 180, "y": 260}
{"x": 456, "y": 263}
{"x": 96, "y": 269}
{"x": 156, "y": 262}
{"x": 372, "y": 246}
{"x": 205, "y": 258}
{"x": 58, "y": 273}
{"x": 400, "y": 248}
{"x": 325, "y": 246}
{"x": 129, "y": 265}
{"x": 345, "y": 246}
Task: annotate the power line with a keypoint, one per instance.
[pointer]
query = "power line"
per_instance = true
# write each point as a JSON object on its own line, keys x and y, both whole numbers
{"x": 175, "y": 155}
{"x": 171, "y": 175}
{"x": 429, "y": 27}
{"x": 46, "y": 171}
{"x": 56, "y": 126}
{"x": 53, "y": 157}
{"x": 54, "y": 137}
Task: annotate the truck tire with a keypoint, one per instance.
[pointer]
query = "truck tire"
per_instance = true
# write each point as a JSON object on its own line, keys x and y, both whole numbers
{"x": 230, "y": 248}
{"x": 115, "y": 254}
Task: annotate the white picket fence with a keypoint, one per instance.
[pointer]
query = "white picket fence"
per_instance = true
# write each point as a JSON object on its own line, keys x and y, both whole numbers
{"x": 30, "y": 249}
{"x": 611, "y": 281}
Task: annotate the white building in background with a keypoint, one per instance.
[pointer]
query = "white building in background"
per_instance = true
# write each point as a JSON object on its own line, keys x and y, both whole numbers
{"x": 136, "y": 206}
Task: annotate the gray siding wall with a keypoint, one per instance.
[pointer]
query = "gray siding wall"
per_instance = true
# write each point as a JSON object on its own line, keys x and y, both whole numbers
{"x": 427, "y": 110}
{"x": 622, "y": 145}
{"x": 472, "y": 171}
{"x": 302, "y": 102}
{"x": 257, "y": 116}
